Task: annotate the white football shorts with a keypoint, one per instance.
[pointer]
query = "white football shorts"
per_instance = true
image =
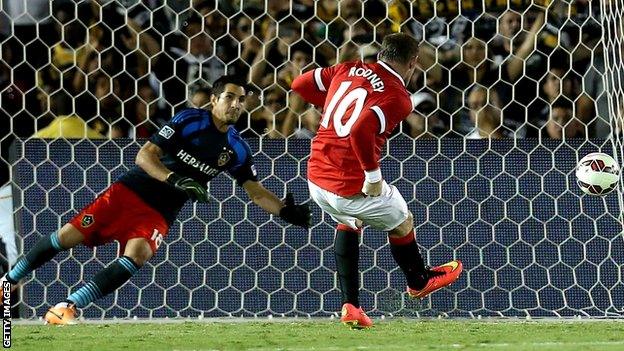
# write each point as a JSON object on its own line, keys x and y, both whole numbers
{"x": 384, "y": 212}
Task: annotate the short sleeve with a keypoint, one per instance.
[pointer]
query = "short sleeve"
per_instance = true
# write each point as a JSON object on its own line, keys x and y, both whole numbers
{"x": 247, "y": 171}
{"x": 323, "y": 77}
{"x": 170, "y": 134}
{"x": 392, "y": 111}
{"x": 243, "y": 168}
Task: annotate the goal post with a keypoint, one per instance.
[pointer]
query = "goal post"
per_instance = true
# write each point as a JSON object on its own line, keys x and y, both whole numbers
{"x": 613, "y": 78}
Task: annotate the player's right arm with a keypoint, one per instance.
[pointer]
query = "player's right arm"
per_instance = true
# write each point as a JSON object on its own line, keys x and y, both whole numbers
{"x": 165, "y": 141}
{"x": 312, "y": 86}
{"x": 148, "y": 158}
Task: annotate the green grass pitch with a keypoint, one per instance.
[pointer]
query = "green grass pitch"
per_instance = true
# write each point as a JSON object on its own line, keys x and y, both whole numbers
{"x": 326, "y": 335}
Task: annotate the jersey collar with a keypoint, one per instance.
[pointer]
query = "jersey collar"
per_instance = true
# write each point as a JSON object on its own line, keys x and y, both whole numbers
{"x": 389, "y": 69}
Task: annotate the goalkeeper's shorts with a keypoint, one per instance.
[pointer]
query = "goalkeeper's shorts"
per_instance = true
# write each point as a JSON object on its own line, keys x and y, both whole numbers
{"x": 120, "y": 214}
{"x": 384, "y": 212}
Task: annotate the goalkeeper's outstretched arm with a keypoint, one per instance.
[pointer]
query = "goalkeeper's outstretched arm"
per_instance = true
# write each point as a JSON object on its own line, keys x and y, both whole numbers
{"x": 287, "y": 210}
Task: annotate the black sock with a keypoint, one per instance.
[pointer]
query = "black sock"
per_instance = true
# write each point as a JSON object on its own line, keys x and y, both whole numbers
{"x": 105, "y": 282}
{"x": 347, "y": 250}
{"x": 407, "y": 255}
{"x": 44, "y": 250}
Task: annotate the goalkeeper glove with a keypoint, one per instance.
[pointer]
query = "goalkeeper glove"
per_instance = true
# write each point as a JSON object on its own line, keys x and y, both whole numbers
{"x": 295, "y": 214}
{"x": 192, "y": 188}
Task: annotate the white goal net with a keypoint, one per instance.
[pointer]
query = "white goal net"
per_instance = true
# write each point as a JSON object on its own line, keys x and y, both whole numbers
{"x": 511, "y": 95}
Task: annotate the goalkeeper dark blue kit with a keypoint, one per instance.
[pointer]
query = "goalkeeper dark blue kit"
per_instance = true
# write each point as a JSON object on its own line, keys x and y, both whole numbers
{"x": 193, "y": 148}
{"x": 138, "y": 205}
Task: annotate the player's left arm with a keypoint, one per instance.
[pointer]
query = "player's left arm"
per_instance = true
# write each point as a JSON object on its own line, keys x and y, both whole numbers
{"x": 263, "y": 197}
{"x": 148, "y": 158}
{"x": 247, "y": 177}
{"x": 287, "y": 210}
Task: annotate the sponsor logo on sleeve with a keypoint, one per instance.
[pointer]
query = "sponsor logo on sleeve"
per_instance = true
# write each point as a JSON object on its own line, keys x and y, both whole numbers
{"x": 166, "y": 132}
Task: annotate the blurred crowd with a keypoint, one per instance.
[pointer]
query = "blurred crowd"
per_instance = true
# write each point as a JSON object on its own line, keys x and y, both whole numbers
{"x": 108, "y": 69}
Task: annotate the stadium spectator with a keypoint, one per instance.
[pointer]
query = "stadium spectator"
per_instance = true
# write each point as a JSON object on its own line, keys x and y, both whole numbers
{"x": 191, "y": 62}
{"x": 522, "y": 66}
{"x": 200, "y": 98}
{"x": 559, "y": 83}
{"x": 145, "y": 117}
{"x": 300, "y": 57}
{"x": 267, "y": 119}
{"x": 275, "y": 52}
{"x": 474, "y": 67}
{"x": 66, "y": 53}
{"x": 592, "y": 104}
{"x": 297, "y": 118}
{"x": 241, "y": 30}
{"x": 356, "y": 35}
{"x": 107, "y": 94}
{"x": 425, "y": 121}
{"x": 562, "y": 123}
{"x": 153, "y": 18}
{"x": 485, "y": 114}
{"x": 121, "y": 44}
{"x": 302, "y": 119}
{"x": 65, "y": 123}
{"x": 327, "y": 10}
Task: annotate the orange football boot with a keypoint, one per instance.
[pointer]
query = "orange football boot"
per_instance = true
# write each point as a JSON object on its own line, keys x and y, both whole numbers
{"x": 61, "y": 314}
{"x": 355, "y": 317}
{"x": 439, "y": 277}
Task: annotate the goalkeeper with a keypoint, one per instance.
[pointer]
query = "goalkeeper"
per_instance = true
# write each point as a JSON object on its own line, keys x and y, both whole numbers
{"x": 137, "y": 210}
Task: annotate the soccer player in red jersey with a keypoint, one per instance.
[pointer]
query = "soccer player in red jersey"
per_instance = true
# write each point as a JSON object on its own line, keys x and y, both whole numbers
{"x": 362, "y": 103}
{"x": 172, "y": 168}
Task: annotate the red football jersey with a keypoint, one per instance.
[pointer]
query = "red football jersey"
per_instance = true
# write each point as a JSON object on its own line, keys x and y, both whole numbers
{"x": 362, "y": 103}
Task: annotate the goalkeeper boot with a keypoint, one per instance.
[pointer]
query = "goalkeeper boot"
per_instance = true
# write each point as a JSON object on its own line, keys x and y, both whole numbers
{"x": 438, "y": 277}
{"x": 355, "y": 317}
{"x": 62, "y": 314}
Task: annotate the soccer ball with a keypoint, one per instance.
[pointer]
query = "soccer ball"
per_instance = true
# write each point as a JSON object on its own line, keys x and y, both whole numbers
{"x": 597, "y": 174}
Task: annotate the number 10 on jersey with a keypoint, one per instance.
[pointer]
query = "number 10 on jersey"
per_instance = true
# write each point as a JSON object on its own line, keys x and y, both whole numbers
{"x": 338, "y": 107}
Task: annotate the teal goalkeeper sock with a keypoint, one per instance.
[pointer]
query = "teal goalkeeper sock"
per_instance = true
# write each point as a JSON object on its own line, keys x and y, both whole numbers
{"x": 44, "y": 250}
{"x": 105, "y": 282}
